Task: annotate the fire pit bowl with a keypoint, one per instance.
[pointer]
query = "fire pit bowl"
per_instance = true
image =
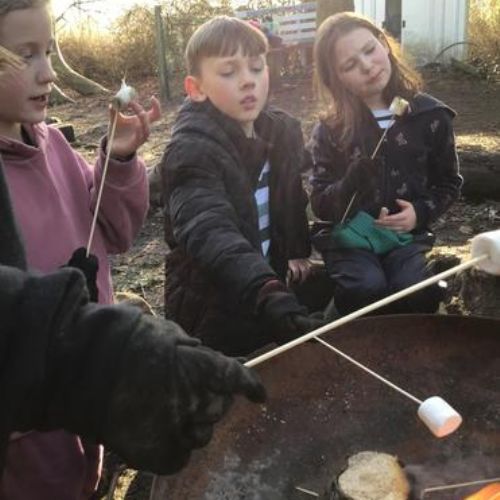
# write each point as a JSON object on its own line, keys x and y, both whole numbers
{"x": 321, "y": 409}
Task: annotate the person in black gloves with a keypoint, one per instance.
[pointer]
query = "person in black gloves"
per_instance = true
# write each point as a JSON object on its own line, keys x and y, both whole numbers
{"x": 111, "y": 374}
{"x": 235, "y": 207}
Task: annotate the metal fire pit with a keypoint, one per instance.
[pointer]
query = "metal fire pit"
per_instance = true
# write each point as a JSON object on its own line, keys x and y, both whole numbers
{"x": 322, "y": 409}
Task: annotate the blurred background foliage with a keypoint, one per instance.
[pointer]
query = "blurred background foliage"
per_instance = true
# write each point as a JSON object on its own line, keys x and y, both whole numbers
{"x": 128, "y": 46}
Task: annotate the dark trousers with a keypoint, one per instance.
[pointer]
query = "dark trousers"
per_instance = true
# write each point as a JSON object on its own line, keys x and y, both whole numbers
{"x": 362, "y": 277}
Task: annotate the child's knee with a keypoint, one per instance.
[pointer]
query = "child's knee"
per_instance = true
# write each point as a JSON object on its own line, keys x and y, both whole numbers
{"x": 352, "y": 296}
{"x": 427, "y": 300}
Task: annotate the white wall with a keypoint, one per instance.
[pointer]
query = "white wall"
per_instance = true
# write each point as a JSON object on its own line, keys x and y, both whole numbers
{"x": 433, "y": 25}
{"x": 429, "y": 26}
{"x": 374, "y": 9}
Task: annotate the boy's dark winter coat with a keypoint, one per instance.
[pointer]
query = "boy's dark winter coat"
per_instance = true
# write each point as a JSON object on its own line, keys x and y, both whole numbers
{"x": 423, "y": 165}
{"x": 216, "y": 267}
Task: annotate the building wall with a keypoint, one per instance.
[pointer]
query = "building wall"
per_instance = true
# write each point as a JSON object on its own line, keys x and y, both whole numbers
{"x": 429, "y": 26}
{"x": 433, "y": 25}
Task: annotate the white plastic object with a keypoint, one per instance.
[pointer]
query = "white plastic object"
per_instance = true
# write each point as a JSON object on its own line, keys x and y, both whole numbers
{"x": 123, "y": 97}
{"x": 489, "y": 244}
{"x": 439, "y": 416}
{"x": 399, "y": 106}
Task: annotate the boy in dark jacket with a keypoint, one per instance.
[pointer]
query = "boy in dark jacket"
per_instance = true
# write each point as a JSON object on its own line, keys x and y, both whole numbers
{"x": 138, "y": 384}
{"x": 235, "y": 205}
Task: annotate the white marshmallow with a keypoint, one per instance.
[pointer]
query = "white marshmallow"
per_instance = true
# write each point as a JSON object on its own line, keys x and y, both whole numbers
{"x": 122, "y": 98}
{"x": 399, "y": 106}
{"x": 439, "y": 416}
{"x": 487, "y": 243}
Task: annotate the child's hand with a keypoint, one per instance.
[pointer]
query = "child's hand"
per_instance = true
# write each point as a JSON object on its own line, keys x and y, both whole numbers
{"x": 133, "y": 131}
{"x": 298, "y": 270}
{"x": 402, "y": 222}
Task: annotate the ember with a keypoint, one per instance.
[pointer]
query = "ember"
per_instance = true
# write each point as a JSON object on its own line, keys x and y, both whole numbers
{"x": 490, "y": 492}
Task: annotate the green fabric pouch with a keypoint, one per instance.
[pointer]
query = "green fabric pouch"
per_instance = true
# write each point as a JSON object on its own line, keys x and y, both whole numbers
{"x": 361, "y": 232}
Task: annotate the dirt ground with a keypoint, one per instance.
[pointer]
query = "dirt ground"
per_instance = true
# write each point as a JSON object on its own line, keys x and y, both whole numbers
{"x": 141, "y": 269}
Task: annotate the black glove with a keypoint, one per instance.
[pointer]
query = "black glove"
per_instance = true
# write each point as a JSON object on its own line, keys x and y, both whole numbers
{"x": 293, "y": 326}
{"x": 89, "y": 267}
{"x": 136, "y": 383}
{"x": 286, "y": 318}
{"x": 33, "y": 308}
{"x": 362, "y": 175}
{"x": 142, "y": 387}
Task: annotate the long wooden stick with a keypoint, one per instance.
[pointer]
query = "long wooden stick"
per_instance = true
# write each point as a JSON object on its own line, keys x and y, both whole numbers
{"x": 458, "y": 485}
{"x": 370, "y": 372}
{"x": 375, "y": 151}
{"x": 307, "y": 492}
{"x": 364, "y": 310}
{"x": 381, "y": 140}
{"x": 103, "y": 178}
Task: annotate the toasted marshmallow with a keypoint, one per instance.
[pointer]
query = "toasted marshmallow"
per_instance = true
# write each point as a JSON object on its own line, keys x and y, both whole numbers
{"x": 123, "y": 97}
{"x": 399, "y": 106}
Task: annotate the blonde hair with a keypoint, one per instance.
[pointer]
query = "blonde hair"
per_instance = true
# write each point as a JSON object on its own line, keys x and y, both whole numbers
{"x": 348, "y": 111}
{"x": 223, "y": 36}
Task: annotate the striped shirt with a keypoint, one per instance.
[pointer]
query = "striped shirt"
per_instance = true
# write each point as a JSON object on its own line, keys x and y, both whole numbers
{"x": 262, "y": 200}
{"x": 383, "y": 117}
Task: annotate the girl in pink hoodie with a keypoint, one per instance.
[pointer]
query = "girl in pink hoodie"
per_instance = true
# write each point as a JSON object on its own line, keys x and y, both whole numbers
{"x": 54, "y": 194}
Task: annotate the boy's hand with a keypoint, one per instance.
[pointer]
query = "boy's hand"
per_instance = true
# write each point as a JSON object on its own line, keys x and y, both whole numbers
{"x": 294, "y": 326}
{"x": 133, "y": 131}
{"x": 286, "y": 318}
{"x": 298, "y": 270}
{"x": 401, "y": 222}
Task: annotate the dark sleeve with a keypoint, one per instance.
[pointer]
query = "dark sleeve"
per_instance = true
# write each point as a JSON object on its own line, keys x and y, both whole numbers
{"x": 444, "y": 180}
{"x": 329, "y": 196}
{"x": 11, "y": 249}
{"x": 205, "y": 223}
{"x": 290, "y": 209}
{"x": 138, "y": 384}
{"x": 33, "y": 308}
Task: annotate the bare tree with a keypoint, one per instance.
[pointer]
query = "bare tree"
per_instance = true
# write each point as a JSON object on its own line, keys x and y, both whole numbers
{"x": 67, "y": 76}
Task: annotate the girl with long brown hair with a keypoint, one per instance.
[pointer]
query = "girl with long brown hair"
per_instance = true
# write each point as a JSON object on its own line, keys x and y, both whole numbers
{"x": 380, "y": 177}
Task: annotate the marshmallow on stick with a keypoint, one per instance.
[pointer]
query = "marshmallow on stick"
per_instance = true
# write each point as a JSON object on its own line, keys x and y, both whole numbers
{"x": 399, "y": 106}
{"x": 487, "y": 244}
{"x": 435, "y": 412}
{"x": 439, "y": 416}
{"x": 123, "y": 97}
{"x": 119, "y": 102}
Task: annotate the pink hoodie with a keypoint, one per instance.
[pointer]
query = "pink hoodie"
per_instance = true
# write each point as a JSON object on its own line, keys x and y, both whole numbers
{"x": 54, "y": 192}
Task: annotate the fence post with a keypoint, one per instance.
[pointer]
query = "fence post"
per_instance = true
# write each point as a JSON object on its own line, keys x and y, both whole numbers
{"x": 161, "y": 49}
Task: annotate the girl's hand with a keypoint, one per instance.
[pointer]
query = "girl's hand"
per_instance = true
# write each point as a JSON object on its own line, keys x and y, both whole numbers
{"x": 402, "y": 222}
{"x": 298, "y": 270}
{"x": 133, "y": 131}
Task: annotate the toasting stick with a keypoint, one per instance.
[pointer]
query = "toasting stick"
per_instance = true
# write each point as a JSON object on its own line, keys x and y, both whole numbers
{"x": 435, "y": 412}
{"x": 111, "y": 137}
{"x": 398, "y": 107}
{"x": 119, "y": 102}
{"x": 479, "y": 260}
{"x": 438, "y": 415}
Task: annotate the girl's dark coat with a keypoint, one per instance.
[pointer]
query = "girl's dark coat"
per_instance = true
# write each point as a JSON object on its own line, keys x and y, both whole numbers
{"x": 418, "y": 164}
